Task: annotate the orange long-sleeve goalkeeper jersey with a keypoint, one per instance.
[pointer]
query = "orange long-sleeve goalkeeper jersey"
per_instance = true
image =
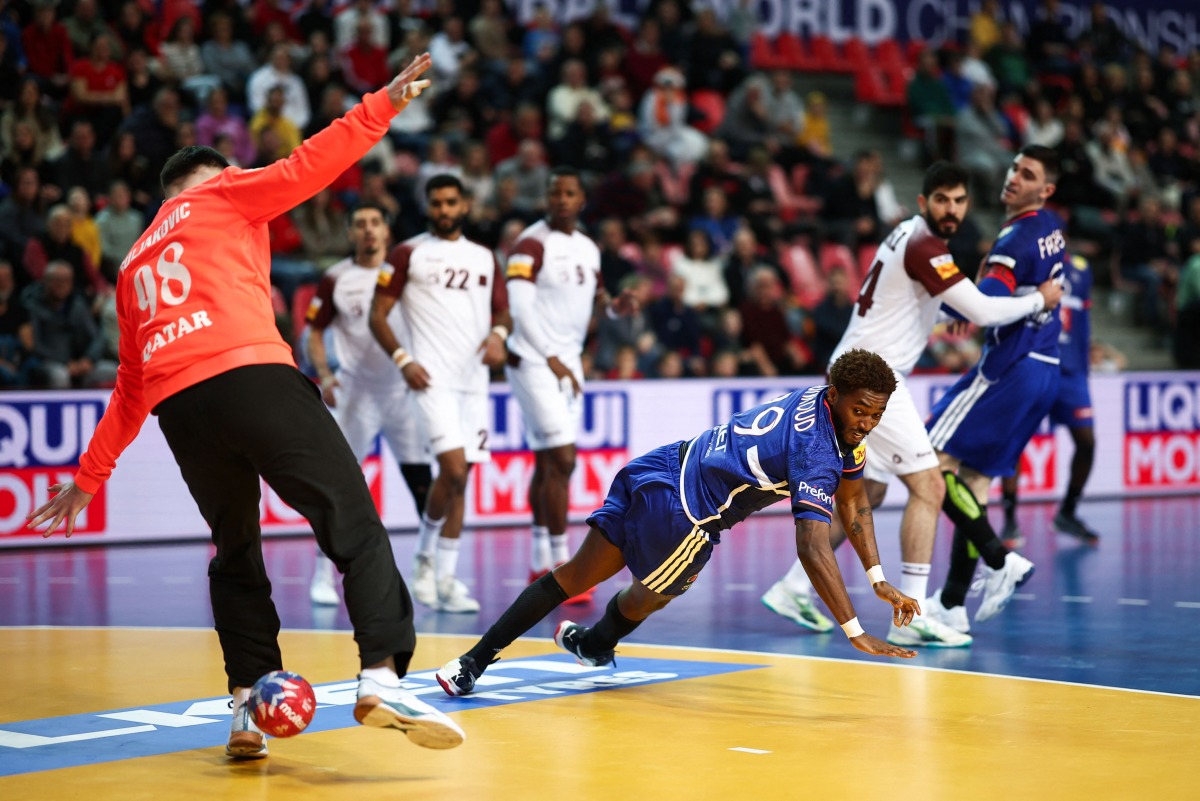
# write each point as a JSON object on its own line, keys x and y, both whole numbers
{"x": 194, "y": 293}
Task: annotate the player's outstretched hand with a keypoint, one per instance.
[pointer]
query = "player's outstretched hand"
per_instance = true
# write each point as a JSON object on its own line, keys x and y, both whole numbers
{"x": 903, "y": 607}
{"x": 561, "y": 371}
{"x": 870, "y": 645}
{"x": 1051, "y": 291}
{"x": 405, "y": 86}
{"x": 328, "y": 383}
{"x": 67, "y": 502}
{"x": 415, "y": 376}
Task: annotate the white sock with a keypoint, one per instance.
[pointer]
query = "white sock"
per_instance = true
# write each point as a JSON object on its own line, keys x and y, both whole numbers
{"x": 914, "y": 580}
{"x": 381, "y": 675}
{"x": 427, "y": 535}
{"x": 240, "y": 695}
{"x": 447, "y": 557}
{"x": 560, "y": 549}
{"x": 796, "y": 579}
{"x": 539, "y": 558}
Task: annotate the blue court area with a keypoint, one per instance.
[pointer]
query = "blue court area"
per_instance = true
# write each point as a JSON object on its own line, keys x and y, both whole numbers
{"x": 1120, "y": 614}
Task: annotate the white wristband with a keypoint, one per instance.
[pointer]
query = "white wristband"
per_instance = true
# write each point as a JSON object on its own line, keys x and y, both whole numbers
{"x": 402, "y": 358}
{"x": 852, "y": 628}
{"x": 875, "y": 575}
{"x": 500, "y": 331}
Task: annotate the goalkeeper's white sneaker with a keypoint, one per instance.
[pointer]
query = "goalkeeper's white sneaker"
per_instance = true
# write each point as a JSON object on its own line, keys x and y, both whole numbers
{"x": 795, "y": 606}
{"x": 424, "y": 583}
{"x": 246, "y": 740}
{"x": 322, "y": 590}
{"x": 999, "y": 585}
{"x": 926, "y": 632}
{"x": 396, "y": 708}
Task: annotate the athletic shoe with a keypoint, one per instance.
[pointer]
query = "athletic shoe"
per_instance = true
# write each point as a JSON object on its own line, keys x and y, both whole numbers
{"x": 322, "y": 590}
{"x": 424, "y": 583}
{"x": 955, "y": 618}
{"x": 1011, "y": 536}
{"x": 457, "y": 676}
{"x": 246, "y": 740}
{"x": 397, "y": 708}
{"x": 569, "y": 637}
{"x": 925, "y": 632}
{"x": 453, "y": 596}
{"x": 795, "y": 606}
{"x": 999, "y": 585}
{"x": 1069, "y": 524}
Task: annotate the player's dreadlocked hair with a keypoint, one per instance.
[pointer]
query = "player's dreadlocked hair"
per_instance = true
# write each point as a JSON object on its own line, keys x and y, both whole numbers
{"x": 860, "y": 369}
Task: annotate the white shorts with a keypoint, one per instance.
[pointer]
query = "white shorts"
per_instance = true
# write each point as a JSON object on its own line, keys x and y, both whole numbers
{"x": 899, "y": 445}
{"x": 365, "y": 409}
{"x": 450, "y": 419}
{"x": 550, "y": 408}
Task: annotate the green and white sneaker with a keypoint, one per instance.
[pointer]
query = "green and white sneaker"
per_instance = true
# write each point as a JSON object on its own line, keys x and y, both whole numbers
{"x": 396, "y": 708}
{"x": 796, "y": 606}
{"x": 927, "y": 632}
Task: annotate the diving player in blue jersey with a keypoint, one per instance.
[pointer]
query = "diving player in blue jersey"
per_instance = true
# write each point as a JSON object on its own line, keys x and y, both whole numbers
{"x": 982, "y": 424}
{"x": 1072, "y": 406}
{"x": 666, "y": 510}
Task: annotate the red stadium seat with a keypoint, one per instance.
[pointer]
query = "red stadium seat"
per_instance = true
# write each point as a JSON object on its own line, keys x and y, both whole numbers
{"x": 793, "y": 56}
{"x": 826, "y": 54}
{"x": 888, "y": 54}
{"x": 808, "y": 284}
{"x": 762, "y": 54}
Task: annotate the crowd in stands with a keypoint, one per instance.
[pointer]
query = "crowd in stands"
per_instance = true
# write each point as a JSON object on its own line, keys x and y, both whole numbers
{"x": 713, "y": 188}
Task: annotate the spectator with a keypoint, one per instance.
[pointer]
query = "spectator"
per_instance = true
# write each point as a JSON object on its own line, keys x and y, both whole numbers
{"x": 1009, "y": 61}
{"x": 133, "y": 30}
{"x": 1076, "y": 183}
{"x": 636, "y": 195}
{"x": 491, "y": 32}
{"x": 140, "y": 79}
{"x": 625, "y": 367}
{"x": 284, "y": 135}
{"x": 84, "y": 231}
{"x": 464, "y": 112}
{"x": 677, "y": 326}
{"x": 16, "y": 332}
{"x": 985, "y": 26}
{"x": 317, "y": 17}
{"x": 451, "y": 52}
{"x": 663, "y": 121}
{"x": 127, "y": 165}
{"x": 670, "y": 365}
{"x": 271, "y": 15}
{"x": 22, "y": 216}
{"x": 1187, "y": 315}
{"x": 749, "y": 116}
{"x": 716, "y": 170}
{"x": 984, "y": 147}
{"x": 705, "y": 289}
{"x": 98, "y": 90}
{"x": 850, "y": 207}
{"x": 586, "y": 145}
{"x": 226, "y": 57}
{"x": 1044, "y": 127}
{"x": 66, "y": 341}
{"x": 181, "y": 63}
{"x": 1110, "y": 165}
{"x": 1146, "y": 260}
{"x": 517, "y": 85}
{"x": 743, "y": 261}
{"x": 21, "y": 152}
{"x": 1049, "y": 44}
{"x": 765, "y": 328}
{"x": 477, "y": 178}
{"x": 156, "y": 129}
{"x": 505, "y": 137}
{"x": 347, "y": 23}
{"x": 528, "y": 169}
{"x": 322, "y": 227}
{"x": 830, "y": 318}
{"x": 633, "y": 331}
{"x": 645, "y": 57}
{"x": 714, "y": 60}
{"x": 278, "y": 72}
{"x": 541, "y": 41}
{"x": 364, "y": 62}
{"x": 564, "y": 100}
{"x": 81, "y": 164}
{"x": 814, "y": 138}
{"x": 615, "y": 268}
{"x": 716, "y": 221}
{"x": 30, "y": 108}
{"x": 56, "y": 245}
{"x": 930, "y": 105}
{"x": 216, "y": 120}
{"x": 1108, "y": 42}
{"x": 47, "y": 47}
{"x": 119, "y": 225}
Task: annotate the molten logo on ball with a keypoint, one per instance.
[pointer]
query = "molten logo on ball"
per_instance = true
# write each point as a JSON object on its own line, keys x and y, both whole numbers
{"x": 282, "y": 703}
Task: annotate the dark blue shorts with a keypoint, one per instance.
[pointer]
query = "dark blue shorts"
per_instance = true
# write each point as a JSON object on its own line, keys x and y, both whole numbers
{"x": 1073, "y": 404}
{"x": 643, "y": 517}
{"x": 986, "y": 426}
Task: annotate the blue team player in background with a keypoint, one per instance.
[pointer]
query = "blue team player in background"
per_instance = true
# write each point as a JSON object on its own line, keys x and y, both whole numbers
{"x": 1072, "y": 406}
{"x": 666, "y": 510}
{"x": 982, "y": 424}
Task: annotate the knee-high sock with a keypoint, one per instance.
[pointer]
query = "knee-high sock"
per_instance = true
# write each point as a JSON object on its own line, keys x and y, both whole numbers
{"x": 611, "y": 629}
{"x": 971, "y": 518}
{"x": 535, "y": 602}
{"x": 418, "y": 477}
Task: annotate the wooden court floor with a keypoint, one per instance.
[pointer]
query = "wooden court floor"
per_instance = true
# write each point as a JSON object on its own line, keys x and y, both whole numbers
{"x": 747, "y": 726}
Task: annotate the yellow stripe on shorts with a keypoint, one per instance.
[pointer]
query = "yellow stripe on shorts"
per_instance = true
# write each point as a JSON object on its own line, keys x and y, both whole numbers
{"x": 670, "y": 569}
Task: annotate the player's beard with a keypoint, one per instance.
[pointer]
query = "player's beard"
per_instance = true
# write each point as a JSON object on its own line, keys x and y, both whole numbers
{"x": 447, "y": 226}
{"x": 936, "y": 226}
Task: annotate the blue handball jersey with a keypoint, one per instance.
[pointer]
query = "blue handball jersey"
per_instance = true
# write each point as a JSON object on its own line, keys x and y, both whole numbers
{"x": 1029, "y": 250}
{"x": 784, "y": 448}
{"x": 1075, "y": 311}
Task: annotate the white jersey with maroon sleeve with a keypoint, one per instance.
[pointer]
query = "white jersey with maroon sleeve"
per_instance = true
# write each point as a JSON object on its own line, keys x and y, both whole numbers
{"x": 448, "y": 289}
{"x": 565, "y": 269}
{"x": 898, "y": 304}
{"x": 343, "y": 303}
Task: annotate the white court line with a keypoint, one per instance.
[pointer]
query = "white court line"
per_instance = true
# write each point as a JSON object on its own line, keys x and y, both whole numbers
{"x": 9, "y": 580}
{"x": 741, "y": 587}
{"x": 1188, "y": 604}
{"x": 1133, "y": 602}
{"x": 63, "y": 580}
{"x": 1024, "y": 596}
{"x": 750, "y": 750}
{"x": 1077, "y": 599}
{"x": 290, "y": 580}
{"x": 120, "y": 579}
{"x": 176, "y": 579}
